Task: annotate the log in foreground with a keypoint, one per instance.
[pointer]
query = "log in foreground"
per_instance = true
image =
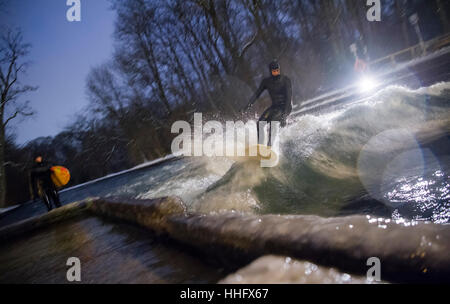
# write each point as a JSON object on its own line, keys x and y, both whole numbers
{"x": 408, "y": 251}
{"x": 414, "y": 253}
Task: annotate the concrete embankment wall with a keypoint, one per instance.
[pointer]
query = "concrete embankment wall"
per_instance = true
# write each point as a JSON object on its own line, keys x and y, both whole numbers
{"x": 24, "y": 227}
{"x": 409, "y": 252}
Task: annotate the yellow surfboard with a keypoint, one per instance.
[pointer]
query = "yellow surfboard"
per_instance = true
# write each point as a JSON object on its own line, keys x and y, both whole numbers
{"x": 259, "y": 152}
{"x": 60, "y": 176}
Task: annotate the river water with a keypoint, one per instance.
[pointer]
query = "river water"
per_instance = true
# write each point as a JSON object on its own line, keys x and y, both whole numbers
{"x": 387, "y": 156}
{"x": 113, "y": 253}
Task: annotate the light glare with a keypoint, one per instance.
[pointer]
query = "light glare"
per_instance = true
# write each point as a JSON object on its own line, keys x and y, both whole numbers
{"x": 367, "y": 84}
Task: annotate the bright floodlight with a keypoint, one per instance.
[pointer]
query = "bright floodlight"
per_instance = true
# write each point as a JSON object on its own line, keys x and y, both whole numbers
{"x": 367, "y": 84}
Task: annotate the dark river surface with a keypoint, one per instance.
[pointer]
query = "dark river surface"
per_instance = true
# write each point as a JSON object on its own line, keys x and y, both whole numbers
{"x": 108, "y": 252}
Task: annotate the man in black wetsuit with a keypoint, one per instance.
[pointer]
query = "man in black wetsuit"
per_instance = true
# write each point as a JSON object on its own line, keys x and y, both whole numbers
{"x": 280, "y": 91}
{"x": 41, "y": 183}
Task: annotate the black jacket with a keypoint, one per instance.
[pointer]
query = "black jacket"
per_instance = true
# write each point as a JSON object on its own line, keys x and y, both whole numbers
{"x": 40, "y": 174}
{"x": 280, "y": 91}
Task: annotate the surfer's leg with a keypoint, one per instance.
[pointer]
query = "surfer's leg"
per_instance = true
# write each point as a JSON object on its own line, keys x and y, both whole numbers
{"x": 55, "y": 197}
{"x": 269, "y": 142}
{"x": 264, "y": 118}
{"x": 57, "y": 200}
{"x": 275, "y": 115}
{"x": 46, "y": 199}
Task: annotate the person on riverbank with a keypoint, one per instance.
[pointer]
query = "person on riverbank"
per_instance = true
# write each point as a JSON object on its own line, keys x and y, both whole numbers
{"x": 41, "y": 184}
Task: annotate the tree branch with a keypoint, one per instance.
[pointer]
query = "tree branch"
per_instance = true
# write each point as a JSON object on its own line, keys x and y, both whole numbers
{"x": 17, "y": 113}
{"x": 248, "y": 45}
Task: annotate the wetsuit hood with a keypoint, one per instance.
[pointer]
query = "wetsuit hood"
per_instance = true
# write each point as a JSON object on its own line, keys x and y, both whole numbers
{"x": 274, "y": 65}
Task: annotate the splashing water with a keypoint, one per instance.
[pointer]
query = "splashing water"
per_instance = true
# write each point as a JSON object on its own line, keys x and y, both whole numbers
{"x": 386, "y": 156}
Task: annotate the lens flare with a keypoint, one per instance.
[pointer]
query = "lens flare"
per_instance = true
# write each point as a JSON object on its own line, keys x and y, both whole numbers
{"x": 367, "y": 84}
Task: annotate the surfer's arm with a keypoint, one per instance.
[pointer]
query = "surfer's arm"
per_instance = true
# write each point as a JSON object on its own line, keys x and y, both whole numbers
{"x": 43, "y": 169}
{"x": 258, "y": 93}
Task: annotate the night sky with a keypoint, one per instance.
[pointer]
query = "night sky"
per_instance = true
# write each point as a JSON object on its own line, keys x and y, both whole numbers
{"x": 62, "y": 54}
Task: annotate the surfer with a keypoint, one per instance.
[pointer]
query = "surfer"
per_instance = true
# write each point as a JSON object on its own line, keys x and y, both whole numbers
{"x": 280, "y": 91}
{"x": 41, "y": 184}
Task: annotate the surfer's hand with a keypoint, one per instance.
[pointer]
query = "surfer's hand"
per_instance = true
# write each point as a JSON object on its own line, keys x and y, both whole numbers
{"x": 283, "y": 121}
{"x": 246, "y": 108}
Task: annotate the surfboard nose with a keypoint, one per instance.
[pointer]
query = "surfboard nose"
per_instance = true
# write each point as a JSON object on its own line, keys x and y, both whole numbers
{"x": 60, "y": 176}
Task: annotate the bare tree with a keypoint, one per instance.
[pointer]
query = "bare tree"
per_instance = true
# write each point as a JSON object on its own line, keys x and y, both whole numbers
{"x": 443, "y": 14}
{"x": 401, "y": 13}
{"x": 12, "y": 67}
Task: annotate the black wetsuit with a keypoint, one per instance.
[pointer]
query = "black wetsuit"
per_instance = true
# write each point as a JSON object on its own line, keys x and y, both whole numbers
{"x": 40, "y": 179}
{"x": 280, "y": 91}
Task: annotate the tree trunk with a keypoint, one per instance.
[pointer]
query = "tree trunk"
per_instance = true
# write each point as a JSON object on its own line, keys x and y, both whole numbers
{"x": 149, "y": 54}
{"x": 245, "y": 70}
{"x": 2, "y": 164}
{"x": 401, "y": 13}
{"x": 443, "y": 15}
{"x": 328, "y": 10}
